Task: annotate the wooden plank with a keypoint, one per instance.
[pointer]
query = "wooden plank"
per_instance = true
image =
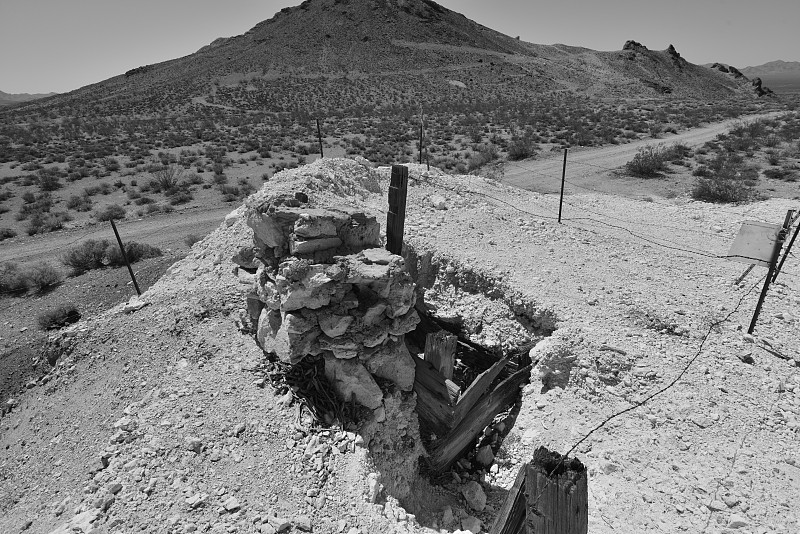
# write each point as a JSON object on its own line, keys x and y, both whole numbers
{"x": 454, "y": 390}
{"x": 448, "y": 449}
{"x": 511, "y": 517}
{"x": 433, "y": 399}
{"x": 440, "y": 350}
{"x": 395, "y": 220}
{"x": 557, "y": 495}
{"x": 477, "y": 389}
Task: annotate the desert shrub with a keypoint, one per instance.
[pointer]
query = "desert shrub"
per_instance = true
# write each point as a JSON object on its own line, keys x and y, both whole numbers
{"x": 180, "y": 197}
{"x": 152, "y": 208}
{"x": 782, "y": 173}
{"x": 5, "y": 194}
{"x": 191, "y": 239}
{"x": 731, "y": 183}
{"x": 165, "y": 178}
{"x": 79, "y": 202}
{"x": 114, "y": 211}
{"x": 7, "y": 233}
{"x": 522, "y": 147}
{"x": 39, "y": 204}
{"x": 48, "y": 180}
{"x": 648, "y": 162}
{"x": 142, "y": 200}
{"x": 773, "y": 158}
{"x": 484, "y": 154}
{"x": 133, "y": 250}
{"x": 230, "y": 193}
{"x": 12, "y": 278}
{"x": 702, "y": 171}
{"x": 92, "y": 254}
{"x": 42, "y": 223}
{"x": 43, "y": 275}
{"x": 59, "y": 317}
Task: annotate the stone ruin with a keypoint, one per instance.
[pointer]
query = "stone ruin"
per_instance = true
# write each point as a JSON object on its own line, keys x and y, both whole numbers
{"x": 324, "y": 286}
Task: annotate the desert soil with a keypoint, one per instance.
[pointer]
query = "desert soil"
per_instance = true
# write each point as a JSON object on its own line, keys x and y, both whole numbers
{"x": 155, "y": 420}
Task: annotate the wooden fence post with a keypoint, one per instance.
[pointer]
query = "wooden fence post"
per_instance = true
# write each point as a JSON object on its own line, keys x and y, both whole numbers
{"x": 125, "y": 257}
{"x": 319, "y": 136}
{"x": 396, "y": 219}
{"x": 558, "y": 495}
{"x": 772, "y": 266}
{"x": 563, "y": 179}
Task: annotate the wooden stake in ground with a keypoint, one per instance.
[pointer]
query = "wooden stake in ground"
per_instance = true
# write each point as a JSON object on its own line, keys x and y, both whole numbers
{"x": 558, "y": 494}
{"x": 319, "y": 136}
{"x": 563, "y": 179}
{"x": 396, "y": 219}
{"x": 772, "y": 266}
{"x": 440, "y": 350}
{"x": 125, "y": 257}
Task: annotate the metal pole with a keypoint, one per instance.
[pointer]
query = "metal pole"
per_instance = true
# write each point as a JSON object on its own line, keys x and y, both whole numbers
{"x": 563, "y": 179}
{"x": 778, "y": 245}
{"x": 125, "y": 257}
{"x": 319, "y": 136}
{"x": 788, "y": 248}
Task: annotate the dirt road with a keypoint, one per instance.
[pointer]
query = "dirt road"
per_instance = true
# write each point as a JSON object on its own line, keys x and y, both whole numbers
{"x": 163, "y": 231}
{"x": 593, "y": 168}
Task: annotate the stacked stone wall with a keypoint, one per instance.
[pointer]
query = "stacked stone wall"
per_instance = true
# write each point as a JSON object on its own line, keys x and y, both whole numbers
{"x": 324, "y": 286}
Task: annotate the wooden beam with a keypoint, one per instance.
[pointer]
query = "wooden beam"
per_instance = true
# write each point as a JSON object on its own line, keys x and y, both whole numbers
{"x": 395, "y": 220}
{"x": 511, "y": 517}
{"x": 433, "y": 398}
{"x": 558, "y": 495}
{"x": 445, "y": 451}
{"x": 440, "y": 350}
{"x": 477, "y": 389}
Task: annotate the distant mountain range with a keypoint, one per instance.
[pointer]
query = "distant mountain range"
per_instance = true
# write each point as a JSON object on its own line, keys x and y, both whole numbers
{"x": 780, "y": 76}
{"x": 7, "y": 99}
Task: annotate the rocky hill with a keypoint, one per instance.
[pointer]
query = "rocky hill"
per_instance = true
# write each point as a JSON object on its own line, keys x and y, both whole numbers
{"x": 782, "y": 76}
{"x": 403, "y": 51}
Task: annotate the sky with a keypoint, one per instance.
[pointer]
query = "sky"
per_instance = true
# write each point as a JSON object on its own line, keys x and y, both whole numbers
{"x": 61, "y": 45}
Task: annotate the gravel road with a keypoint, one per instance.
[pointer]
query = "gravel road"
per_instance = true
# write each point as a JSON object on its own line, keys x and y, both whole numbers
{"x": 589, "y": 167}
{"x": 162, "y": 231}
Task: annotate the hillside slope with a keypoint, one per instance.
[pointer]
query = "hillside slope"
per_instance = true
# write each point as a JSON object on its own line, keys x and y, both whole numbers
{"x": 381, "y": 47}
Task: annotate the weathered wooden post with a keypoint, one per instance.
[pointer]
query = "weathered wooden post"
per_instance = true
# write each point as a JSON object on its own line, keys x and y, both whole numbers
{"x": 563, "y": 179}
{"x": 558, "y": 494}
{"x": 440, "y": 350}
{"x": 319, "y": 136}
{"x": 396, "y": 218}
{"x": 125, "y": 257}
{"x": 776, "y": 252}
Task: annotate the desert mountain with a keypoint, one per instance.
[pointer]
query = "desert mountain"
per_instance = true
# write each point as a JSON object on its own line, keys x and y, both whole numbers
{"x": 773, "y": 68}
{"x": 6, "y": 99}
{"x": 337, "y": 54}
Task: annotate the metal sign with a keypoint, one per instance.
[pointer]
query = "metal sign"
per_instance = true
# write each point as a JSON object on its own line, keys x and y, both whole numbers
{"x": 755, "y": 244}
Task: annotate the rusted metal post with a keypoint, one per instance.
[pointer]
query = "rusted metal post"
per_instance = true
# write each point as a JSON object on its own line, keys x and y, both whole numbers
{"x": 788, "y": 249}
{"x": 563, "y": 179}
{"x": 125, "y": 257}
{"x": 396, "y": 218}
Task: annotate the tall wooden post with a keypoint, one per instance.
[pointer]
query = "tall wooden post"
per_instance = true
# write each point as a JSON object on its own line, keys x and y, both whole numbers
{"x": 319, "y": 136}
{"x": 125, "y": 257}
{"x": 558, "y": 495}
{"x": 563, "y": 179}
{"x": 396, "y": 219}
{"x": 772, "y": 266}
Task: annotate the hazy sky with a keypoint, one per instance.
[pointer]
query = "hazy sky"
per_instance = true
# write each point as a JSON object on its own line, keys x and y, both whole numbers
{"x": 60, "y": 45}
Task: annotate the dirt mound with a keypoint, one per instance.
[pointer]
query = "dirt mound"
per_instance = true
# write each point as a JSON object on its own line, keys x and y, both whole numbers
{"x": 158, "y": 415}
